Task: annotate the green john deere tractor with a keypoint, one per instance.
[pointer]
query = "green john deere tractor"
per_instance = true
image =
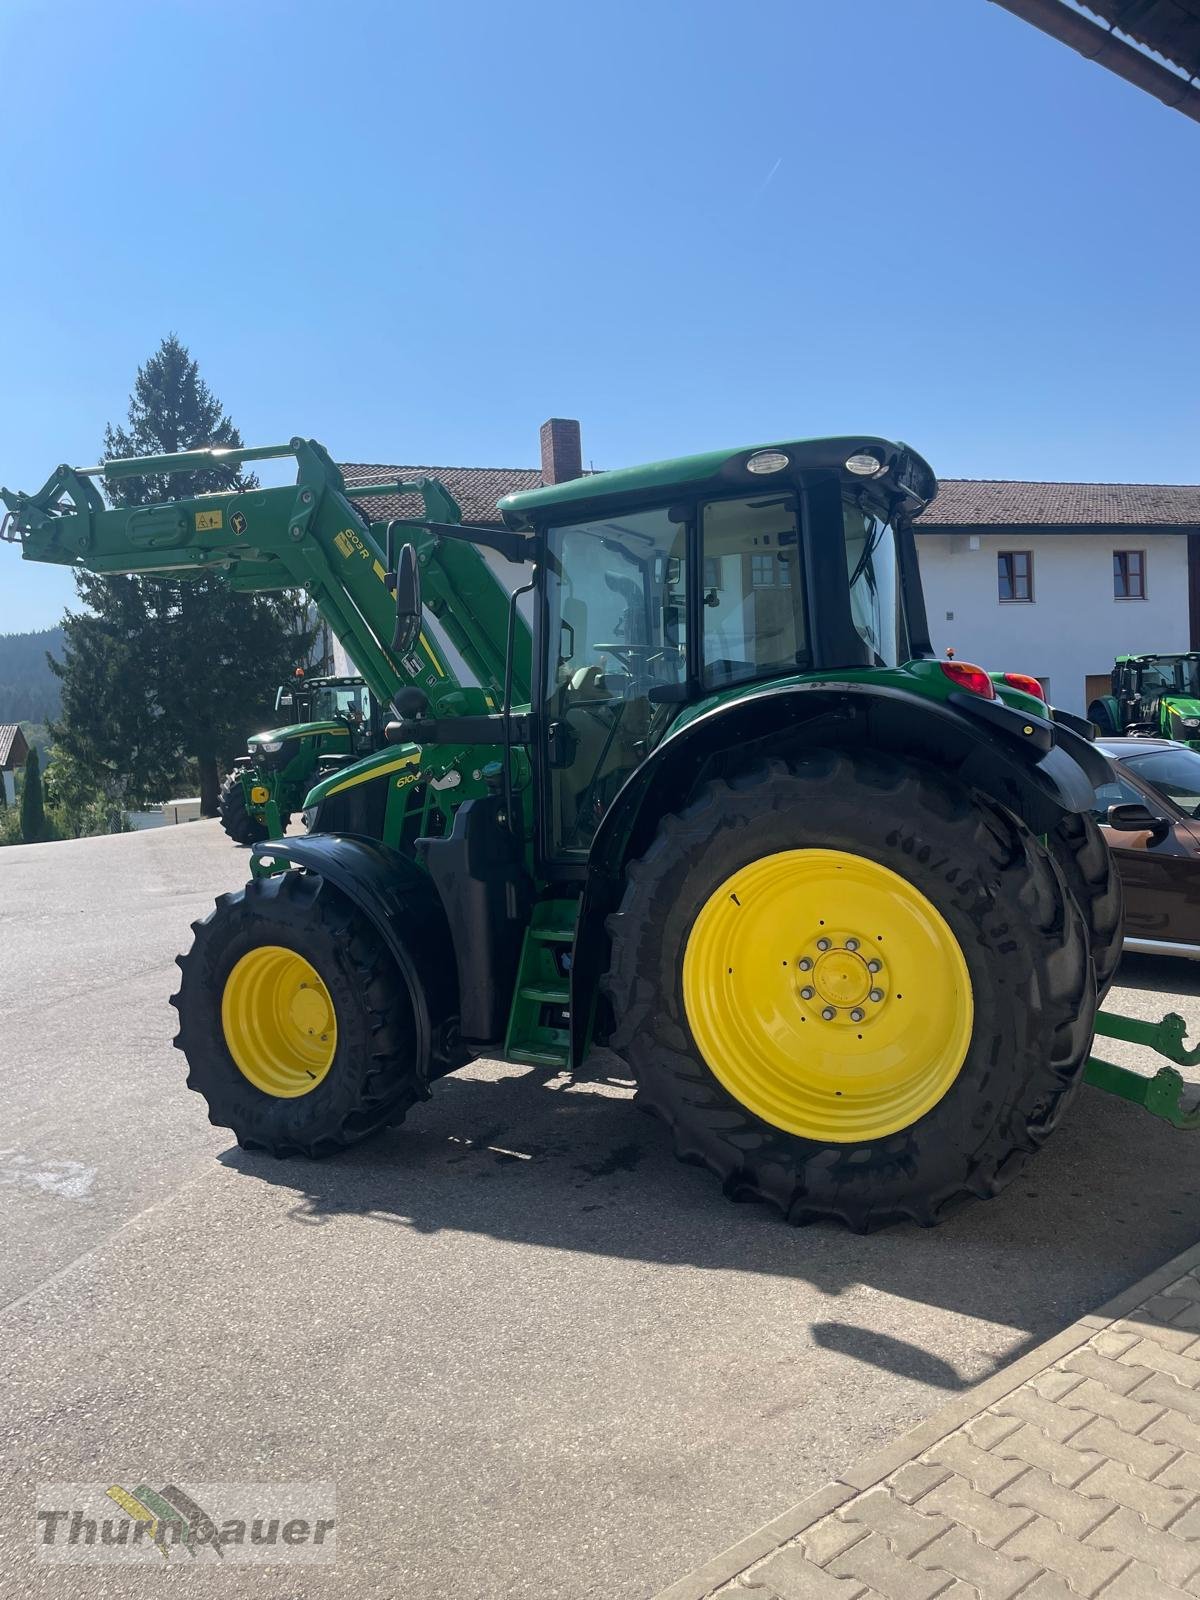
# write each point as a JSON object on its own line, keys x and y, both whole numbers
{"x": 333, "y": 722}
{"x": 839, "y": 905}
{"x": 1157, "y": 695}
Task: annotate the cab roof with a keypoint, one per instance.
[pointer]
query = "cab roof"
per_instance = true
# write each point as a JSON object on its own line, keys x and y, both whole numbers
{"x": 717, "y": 471}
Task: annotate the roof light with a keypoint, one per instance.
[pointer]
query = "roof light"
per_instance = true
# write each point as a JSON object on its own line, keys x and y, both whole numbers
{"x": 864, "y": 464}
{"x": 969, "y": 677}
{"x": 764, "y": 461}
{"x": 1026, "y": 684}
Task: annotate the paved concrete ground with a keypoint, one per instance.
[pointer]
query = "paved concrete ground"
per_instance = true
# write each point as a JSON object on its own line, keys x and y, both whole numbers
{"x": 1074, "y": 1472}
{"x": 536, "y": 1355}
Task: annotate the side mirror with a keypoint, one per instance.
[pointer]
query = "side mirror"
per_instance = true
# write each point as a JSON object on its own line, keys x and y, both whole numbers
{"x": 1134, "y": 817}
{"x": 408, "y": 601}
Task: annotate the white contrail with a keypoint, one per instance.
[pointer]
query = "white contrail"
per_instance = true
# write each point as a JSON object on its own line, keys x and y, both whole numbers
{"x": 762, "y": 186}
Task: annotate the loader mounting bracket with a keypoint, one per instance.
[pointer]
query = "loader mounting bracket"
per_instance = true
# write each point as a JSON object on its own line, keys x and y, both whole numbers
{"x": 1162, "y": 1094}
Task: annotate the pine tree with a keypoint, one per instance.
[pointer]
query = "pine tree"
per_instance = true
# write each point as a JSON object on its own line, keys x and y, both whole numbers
{"x": 163, "y": 678}
{"x": 33, "y": 812}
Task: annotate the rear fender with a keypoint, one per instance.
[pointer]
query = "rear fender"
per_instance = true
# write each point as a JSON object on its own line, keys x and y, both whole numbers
{"x": 401, "y": 903}
{"x": 1040, "y": 775}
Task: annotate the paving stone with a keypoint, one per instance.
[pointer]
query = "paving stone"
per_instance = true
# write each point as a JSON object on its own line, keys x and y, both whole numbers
{"x": 1164, "y": 1307}
{"x": 1141, "y": 1455}
{"x": 1110, "y": 1373}
{"x": 1181, "y": 1473}
{"x": 1075, "y": 1511}
{"x": 1085, "y": 1567}
{"x": 914, "y": 1479}
{"x": 1146, "y": 1353}
{"x": 1185, "y": 1288}
{"x": 984, "y": 1472}
{"x": 1170, "y": 1335}
{"x": 1057, "y": 1421}
{"x": 1132, "y": 1415}
{"x": 1055, "y": 1382}
{"x": 1169, "y": 1427}
{"x": 1158, "y": 1504}
{"x": 906, "y": 1529}
{"x": 872, "y": 1562}
{"x": 988, "y": 1519}
{"x": 995, "y": 1574}
{"x": 1138, "y": 1582}
{"x": 988, "y": 1428}
{"x": 1113, "y": 1342}
{"x": 1173, "y": 1559}
{"x": 1049, "y": 1586}
{"x": 828, "y": 1538}
{"x": 1164, "y": 1391}
{"x": 1188, "y": 1317}
{"x": 1064, "y": 1464}
{"x": 790, "y": 1577}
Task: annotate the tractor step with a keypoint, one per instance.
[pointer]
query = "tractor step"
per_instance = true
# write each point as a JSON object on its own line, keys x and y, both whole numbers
{"x": 539, "y": 1024}
{"x": 540, "y": 1058}
{"x": 547, "y": 994}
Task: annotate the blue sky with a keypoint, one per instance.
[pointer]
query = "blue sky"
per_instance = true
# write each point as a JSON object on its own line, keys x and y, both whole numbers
{"x": 415, "y": 230}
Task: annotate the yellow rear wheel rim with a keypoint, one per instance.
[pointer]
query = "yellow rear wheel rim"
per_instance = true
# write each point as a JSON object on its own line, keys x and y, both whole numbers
{"x": 279, "y": 1021}
{"x": 828, "y": 995}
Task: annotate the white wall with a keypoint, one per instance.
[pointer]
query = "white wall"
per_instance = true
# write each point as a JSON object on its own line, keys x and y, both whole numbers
{"x": 1073, "y": 626}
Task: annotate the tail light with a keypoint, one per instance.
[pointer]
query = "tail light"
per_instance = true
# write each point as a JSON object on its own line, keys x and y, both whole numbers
{"x": 1027, "y": 685}
{"x": 969, "y": 677}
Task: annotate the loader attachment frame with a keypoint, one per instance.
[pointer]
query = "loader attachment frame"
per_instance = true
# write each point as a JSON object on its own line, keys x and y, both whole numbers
{"x": 1162, "y": 1094}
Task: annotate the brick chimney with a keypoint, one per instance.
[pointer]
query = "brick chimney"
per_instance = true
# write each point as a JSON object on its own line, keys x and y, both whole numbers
{"x": 562, "y": 451}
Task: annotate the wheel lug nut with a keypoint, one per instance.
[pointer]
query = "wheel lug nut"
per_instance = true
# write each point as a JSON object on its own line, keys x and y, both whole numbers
{"x": 874, "y": 966}
{"x": 851, "y": 944}
{"x": 856, "y": 1015}
{"x": 822, "y": 944}
{"x": 806, "y": 994}
{"x": 876, "y": 995}
{"x": 806, "y": 965}
{"x": 829, "y": 1013}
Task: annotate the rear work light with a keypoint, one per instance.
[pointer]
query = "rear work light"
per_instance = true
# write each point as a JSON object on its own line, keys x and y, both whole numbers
{"x": 1027, "y": 685}
{"x": 968, "y": 677}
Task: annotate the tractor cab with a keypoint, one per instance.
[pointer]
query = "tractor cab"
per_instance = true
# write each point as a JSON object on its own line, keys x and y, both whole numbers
{"x": 671, "y": 590}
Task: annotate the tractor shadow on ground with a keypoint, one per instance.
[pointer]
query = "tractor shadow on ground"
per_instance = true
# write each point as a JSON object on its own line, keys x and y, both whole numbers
{"x": 520, "y": 1156}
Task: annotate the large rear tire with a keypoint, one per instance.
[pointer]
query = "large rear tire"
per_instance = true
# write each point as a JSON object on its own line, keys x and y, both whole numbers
{"x": 241, "y": 827}
{"x": 866, "y": 1096}
{"x": 296, "y": 1025}
{"x": 1091, "y": 873}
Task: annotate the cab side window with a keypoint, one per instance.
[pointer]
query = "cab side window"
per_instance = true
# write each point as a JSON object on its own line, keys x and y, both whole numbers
{"x": 754, "y": 608}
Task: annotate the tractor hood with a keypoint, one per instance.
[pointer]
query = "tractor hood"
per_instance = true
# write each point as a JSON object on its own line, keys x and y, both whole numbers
{"x": 298, "y": 730}
{"x": 396, "y": 762}
{"x": 1183, "y": 707}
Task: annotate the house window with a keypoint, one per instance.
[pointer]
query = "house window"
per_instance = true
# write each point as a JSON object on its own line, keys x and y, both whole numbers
{"x": 766, "y": 570}
{"x": 1129, "y": 574}
{"x": 712, "y": 572}
{"x": 1015, "y": 573}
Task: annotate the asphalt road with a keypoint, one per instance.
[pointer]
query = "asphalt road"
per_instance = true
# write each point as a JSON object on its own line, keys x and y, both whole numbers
{"x": 535, "y": 1354}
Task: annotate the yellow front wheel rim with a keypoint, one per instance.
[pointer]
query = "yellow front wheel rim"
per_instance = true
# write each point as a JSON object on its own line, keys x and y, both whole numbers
{"x": 279, "y": 1021}
{"x": 828, "y": 995}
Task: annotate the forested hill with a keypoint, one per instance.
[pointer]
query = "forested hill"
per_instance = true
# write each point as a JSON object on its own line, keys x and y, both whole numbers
{"x": 28, "y": 689}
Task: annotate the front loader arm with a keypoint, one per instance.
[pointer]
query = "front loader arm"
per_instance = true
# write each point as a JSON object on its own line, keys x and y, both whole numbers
{"x": 306, "y": 535}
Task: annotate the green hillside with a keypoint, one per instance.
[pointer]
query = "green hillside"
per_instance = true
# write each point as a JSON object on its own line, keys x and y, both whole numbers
{"x": 28, "y": 689}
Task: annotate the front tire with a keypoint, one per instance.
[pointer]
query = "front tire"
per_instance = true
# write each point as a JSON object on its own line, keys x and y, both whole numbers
{"x": 824, "y": 1117}
{"x": 241, "y": 827}
{"x": 296, "y": 1025}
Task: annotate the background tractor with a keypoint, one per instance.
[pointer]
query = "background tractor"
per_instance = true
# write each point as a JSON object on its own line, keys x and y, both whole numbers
{"x": 332, "y": 722}
{"x": 840, "y": 906}
{"x": 1156, "y": 695}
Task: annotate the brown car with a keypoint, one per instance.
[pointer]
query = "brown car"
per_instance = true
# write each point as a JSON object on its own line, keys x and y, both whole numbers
{"x": 1149, "y": 814}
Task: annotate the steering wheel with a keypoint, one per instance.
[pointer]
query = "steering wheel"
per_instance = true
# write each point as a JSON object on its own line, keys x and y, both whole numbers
{"x": 631, "y": 654}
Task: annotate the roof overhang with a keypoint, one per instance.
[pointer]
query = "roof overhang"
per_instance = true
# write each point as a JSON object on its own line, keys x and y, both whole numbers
{"x": 1168, "y": 28}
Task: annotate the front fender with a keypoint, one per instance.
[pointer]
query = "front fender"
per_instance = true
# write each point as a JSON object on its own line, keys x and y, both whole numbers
{"x": 401, "y": 903}
{"x": 1035, "y": 767}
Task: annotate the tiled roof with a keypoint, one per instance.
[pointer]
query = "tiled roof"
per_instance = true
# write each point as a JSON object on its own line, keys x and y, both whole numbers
{"x": 960, "y": 502}
{"x": 1009, "y": 503}
{"x": 10, "y": 733}
{"x": 477, "y": 489}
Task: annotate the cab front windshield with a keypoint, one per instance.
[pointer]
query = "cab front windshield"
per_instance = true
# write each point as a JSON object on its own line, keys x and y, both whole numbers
{"x": 349, "y": 702}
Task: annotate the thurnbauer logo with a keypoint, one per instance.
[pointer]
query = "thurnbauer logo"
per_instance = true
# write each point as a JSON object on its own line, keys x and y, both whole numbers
{"x": 177, "y": 1524}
